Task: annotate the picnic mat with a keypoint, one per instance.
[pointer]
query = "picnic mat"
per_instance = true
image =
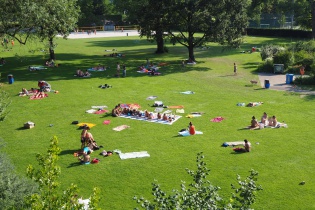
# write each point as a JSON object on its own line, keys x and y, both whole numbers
{"x": 99, "y": 107}
{"x": 88, "y": 124}
{"x": 151, "y": 97}
{"x": 176, "y": 107}
{"x": 186, "y": 133}
{"x": 188, "y": 92}
{"x": 217, "y": 119}
{"x": 121, "y": 127}
{"x": 176, "y": 117}
{"x": 193, "y": 115}
{"x": 96, "y": 69}
{"x": 129, "y": 155}
{"x": 100, "y": 111}
{"x": 106, "y": 122}
{"x": 180, "y": 111}
{"x": 36, "y": 68}
{"x": 36, "y": 98}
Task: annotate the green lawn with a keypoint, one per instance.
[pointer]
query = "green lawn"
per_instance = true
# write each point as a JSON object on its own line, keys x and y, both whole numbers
{"x": 284, "y": 157}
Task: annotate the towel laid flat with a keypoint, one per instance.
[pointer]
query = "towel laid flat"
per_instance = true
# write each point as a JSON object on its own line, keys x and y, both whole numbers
{"x": 121, "y": 127}
{"x": 129, "y": 155}
{"x": 186, "y": 133}
{"x": 175, "y": 118}
{"x": 217, "y": 119}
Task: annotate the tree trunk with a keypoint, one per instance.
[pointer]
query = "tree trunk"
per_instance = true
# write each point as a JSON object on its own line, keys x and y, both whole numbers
{"x": 313, "y": 19}
{"x": 51, "y": 49}
{"x": 159, "y": 42}
{"x": 191, "y": 47}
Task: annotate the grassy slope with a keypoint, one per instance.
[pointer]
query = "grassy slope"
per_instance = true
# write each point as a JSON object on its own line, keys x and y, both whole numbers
{"x": 283, "y": 157}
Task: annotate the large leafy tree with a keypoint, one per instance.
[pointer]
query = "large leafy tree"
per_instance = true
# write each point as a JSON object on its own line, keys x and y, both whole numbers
{"x": 47, "y": 178}
{"x": 201, "y": 194}
{"x": 56, "y": 17}
{"x": 153, "y": 21}
{"x": 18, "y": 18}
{"x": 92, "y": 12}
{"x": 198, "y": 21}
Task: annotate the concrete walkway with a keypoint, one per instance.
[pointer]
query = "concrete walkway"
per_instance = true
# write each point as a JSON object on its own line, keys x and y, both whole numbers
{"x": 278, "y": 82}
{"x": 99, "y": 34}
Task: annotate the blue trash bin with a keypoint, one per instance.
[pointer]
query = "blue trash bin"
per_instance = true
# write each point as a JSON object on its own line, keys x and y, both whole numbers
{"x": 267, "y": 83}
{"x": 10, "y": 78}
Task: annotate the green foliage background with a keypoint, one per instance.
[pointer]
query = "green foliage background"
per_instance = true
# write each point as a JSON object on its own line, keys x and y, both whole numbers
{"x": 282, "y": 157}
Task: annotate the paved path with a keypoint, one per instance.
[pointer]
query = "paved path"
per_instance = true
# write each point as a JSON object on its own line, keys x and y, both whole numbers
{"x": 278, "y": 82}
{"x": 99, "y": 34}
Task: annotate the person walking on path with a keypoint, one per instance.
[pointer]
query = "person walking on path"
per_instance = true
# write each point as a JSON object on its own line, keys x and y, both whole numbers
{"x": 235, "y": 69}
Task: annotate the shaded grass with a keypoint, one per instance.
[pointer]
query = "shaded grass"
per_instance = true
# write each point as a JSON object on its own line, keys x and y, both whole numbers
{"x": 282, "y": 156}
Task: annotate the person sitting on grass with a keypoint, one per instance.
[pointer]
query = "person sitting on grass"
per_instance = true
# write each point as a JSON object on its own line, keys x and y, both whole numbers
{"x": 86, "y": 73}
{"x": 79, "y": 73}
{"x": 253, "y": 123}
{"x": 85, "y": 159}
{"x": 264, "y": 119}
{"x": 191, "y": 128}
{"x": 246, "y": 148}
{"x": 273, "y": 121}
{"x": 164, "y": 118}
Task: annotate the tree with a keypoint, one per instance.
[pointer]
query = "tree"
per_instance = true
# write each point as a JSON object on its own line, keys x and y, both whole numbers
{"x": 153, "y": 21}
{"x": 55, "y": 17}
{"x": 46, "y": 177}
{"x": 196, "y": 22}
{"x": 201, "y": 194}
{"x": 13, "y": 188}
{"x": 17, "y": 19}
{"x": 92, "y": 12}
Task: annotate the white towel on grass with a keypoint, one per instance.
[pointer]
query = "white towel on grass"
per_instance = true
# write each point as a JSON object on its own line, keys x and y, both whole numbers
{"x": 129, "y": 155}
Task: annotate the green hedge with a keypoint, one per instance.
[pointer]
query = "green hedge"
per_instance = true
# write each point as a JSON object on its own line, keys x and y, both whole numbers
{"x": 278, "y": 32}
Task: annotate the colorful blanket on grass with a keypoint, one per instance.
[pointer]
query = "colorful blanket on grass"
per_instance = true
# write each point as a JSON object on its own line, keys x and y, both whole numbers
{"x": 86, "y": 124}
{"x": 217, "y": 119}
{"x": 33, "y": 97}
{"x": 175, "y": 118}
{"x": 96, "y": 69}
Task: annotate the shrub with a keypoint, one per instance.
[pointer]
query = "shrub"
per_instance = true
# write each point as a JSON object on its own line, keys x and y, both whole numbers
{"x": 284, "y": 57}
{"x": 269, "y": 51}
{"x": 267, "y": 66}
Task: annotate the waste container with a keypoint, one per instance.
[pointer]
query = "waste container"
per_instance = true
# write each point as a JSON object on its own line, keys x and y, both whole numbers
{"x": 10, "y": 78}
{"x": 267, "y": 83}
{"x": 289, "y": 78}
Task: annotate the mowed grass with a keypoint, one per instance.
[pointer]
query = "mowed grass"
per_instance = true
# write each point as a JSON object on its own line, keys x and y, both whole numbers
{"x": 283, "y": 157}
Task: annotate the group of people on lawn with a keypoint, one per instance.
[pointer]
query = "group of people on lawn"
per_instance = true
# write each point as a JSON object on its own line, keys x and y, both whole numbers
{"x": 265, "y": 121}
{"x": 37, "y": 93}
{"x": 80, "y": 73}
{"x": 118, "y": 110}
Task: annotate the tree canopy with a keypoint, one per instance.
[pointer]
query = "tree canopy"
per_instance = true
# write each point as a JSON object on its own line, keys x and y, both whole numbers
{"x": 196, "y": 22}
